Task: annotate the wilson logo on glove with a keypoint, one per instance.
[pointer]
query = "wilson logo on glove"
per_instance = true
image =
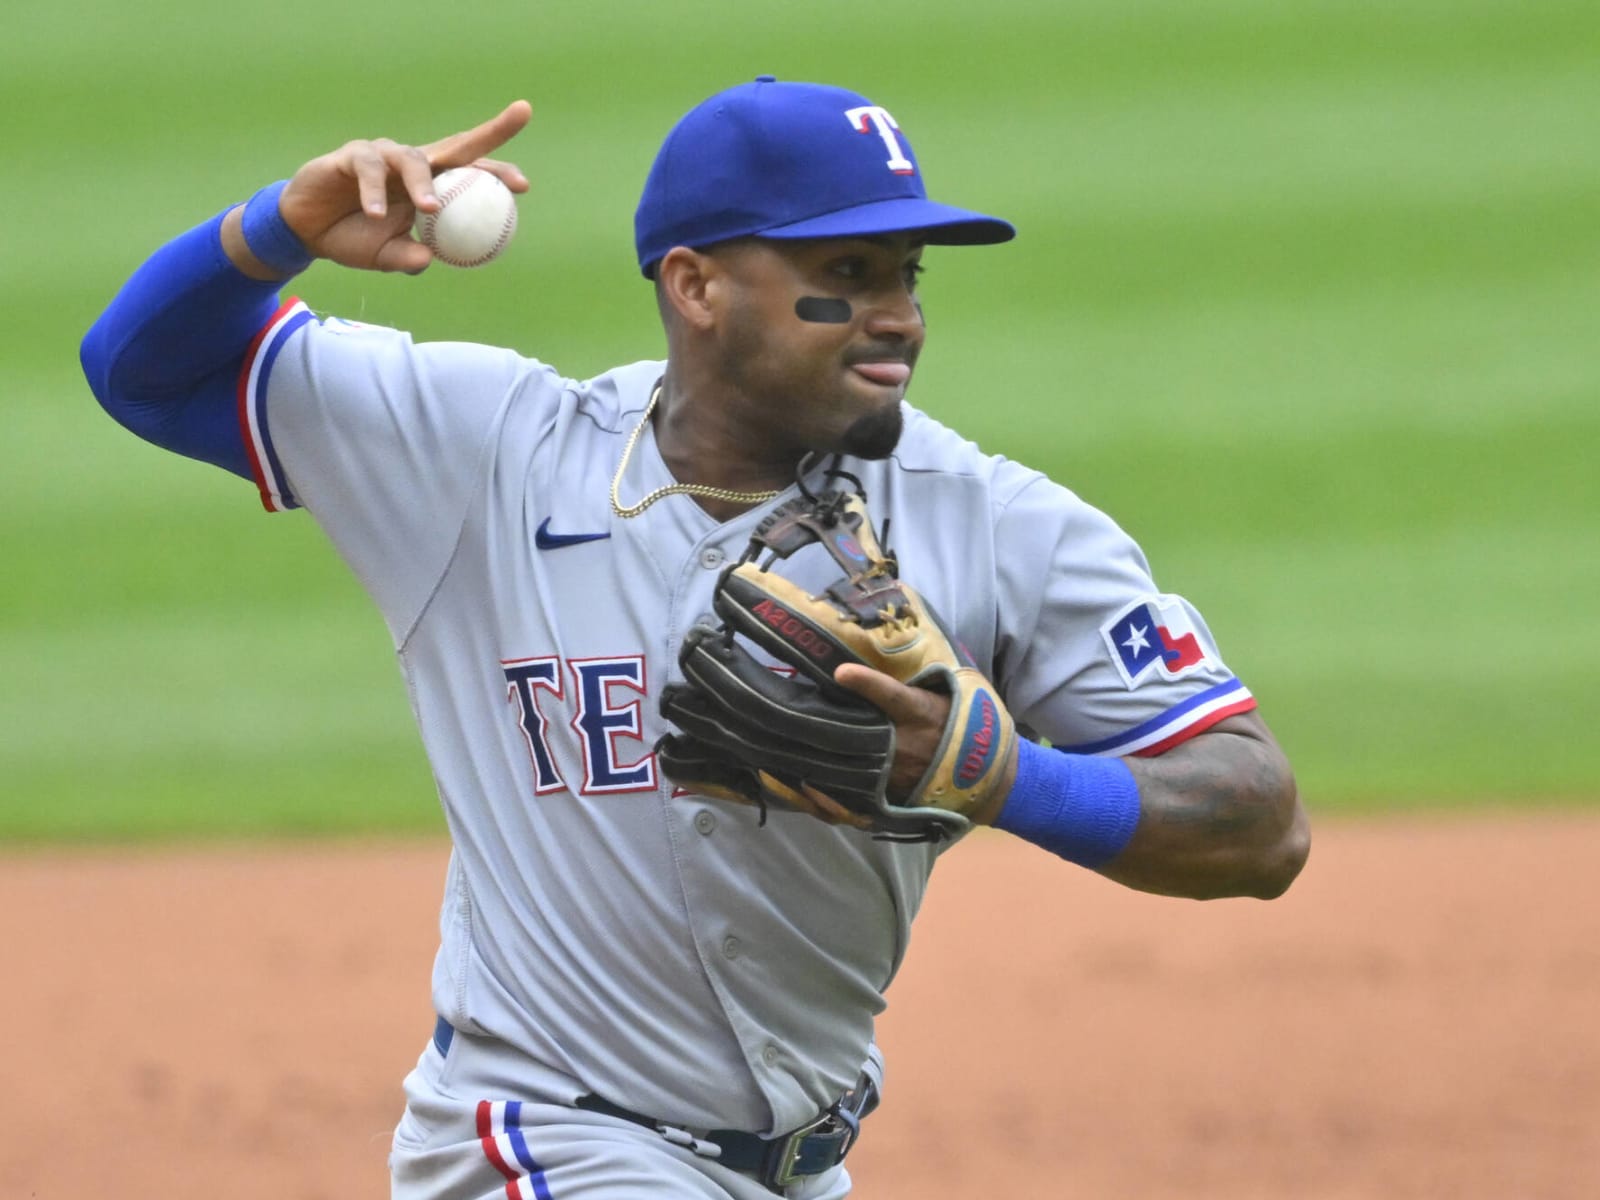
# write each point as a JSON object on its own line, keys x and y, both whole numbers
{"x": 977, "y": 744}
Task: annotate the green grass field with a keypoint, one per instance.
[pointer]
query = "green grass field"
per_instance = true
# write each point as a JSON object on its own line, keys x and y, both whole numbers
{"x": 1307, "y": 295}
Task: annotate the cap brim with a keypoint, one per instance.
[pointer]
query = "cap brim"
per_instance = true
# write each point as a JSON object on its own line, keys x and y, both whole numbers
{"x": 941, "y": 224}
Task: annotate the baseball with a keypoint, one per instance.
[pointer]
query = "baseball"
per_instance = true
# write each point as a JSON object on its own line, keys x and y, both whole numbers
{"x": 477, "y": 217}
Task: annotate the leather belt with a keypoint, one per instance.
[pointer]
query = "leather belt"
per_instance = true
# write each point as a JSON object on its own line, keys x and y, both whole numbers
{"x": 815, "y": 1147}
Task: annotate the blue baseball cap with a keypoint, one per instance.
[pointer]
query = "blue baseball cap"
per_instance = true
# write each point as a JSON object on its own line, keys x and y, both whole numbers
{"x": 791, "y": 160}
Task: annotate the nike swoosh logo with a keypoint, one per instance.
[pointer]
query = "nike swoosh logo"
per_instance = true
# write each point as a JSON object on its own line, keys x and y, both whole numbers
{"x": 545, "y": 540}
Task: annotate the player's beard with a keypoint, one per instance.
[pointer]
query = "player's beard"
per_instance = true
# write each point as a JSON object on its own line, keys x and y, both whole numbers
{"x": 875, "y": 434}
{"x": 872, "y": 435}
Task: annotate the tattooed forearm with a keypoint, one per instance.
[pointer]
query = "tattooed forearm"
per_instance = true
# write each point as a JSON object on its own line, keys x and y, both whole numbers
{"x": 1225, "y": 783}
{"x": 1220, "y": 817}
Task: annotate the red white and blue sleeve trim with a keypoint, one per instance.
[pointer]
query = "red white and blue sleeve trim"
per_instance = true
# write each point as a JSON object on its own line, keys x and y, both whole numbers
{"x": 1179, "y": 723}
{"x": 253, "y": 375}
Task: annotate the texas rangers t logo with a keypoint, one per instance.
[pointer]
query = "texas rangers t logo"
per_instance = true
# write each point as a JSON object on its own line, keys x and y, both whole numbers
{"x": 1153, "y": 635}
{"x": 869, "y": 117}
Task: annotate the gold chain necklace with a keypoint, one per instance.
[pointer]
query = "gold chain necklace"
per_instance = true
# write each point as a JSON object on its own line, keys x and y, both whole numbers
{"x": 672, "y": 489}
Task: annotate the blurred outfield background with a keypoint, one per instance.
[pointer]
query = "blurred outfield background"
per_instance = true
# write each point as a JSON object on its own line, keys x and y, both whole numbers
{"x": 1306, "y": 294}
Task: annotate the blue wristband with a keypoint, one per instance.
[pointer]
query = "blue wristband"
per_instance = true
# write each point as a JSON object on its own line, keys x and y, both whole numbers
{"x": 268, "y": 235}
{"x": 1079, "y": 807}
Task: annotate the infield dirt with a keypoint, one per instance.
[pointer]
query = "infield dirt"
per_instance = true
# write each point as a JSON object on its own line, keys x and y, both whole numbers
{"x": 1418, "y": 1018}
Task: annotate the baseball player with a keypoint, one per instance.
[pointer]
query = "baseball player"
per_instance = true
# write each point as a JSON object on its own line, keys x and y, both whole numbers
{"x": 713, "y": 657}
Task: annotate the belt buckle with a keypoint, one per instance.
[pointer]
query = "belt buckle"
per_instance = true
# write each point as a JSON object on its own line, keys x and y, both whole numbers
{"x": 784, "y": 1157}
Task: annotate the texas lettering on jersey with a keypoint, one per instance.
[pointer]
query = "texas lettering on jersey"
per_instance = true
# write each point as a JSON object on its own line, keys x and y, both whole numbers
{"x": 600, "y": 718}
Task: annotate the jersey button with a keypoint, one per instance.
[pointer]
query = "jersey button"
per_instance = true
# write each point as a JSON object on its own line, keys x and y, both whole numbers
{"x": 731, "y": 947}
{"x": 705, "y": 822}
{"x": 711, "y": 558}
{"x": 769, "y": 1055}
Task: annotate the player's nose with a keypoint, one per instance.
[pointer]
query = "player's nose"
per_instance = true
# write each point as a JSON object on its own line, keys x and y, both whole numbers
{"x": 895, "y": 314}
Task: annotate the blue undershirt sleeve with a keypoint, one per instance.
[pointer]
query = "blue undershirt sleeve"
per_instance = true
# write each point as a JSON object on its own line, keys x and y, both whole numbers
{"x": 164, "y": 358}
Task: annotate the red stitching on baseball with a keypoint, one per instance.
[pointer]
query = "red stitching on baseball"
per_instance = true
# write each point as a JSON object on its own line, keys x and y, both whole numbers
{"x": 469, "y": 177}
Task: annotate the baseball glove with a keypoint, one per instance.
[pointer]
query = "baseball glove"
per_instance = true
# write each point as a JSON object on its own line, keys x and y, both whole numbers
{"x": 754, "y": 735}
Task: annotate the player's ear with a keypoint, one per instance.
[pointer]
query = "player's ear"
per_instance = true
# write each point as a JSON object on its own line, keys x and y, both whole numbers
{"x": 687, "y": 282}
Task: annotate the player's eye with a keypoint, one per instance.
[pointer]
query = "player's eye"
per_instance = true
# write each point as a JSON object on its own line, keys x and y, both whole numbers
{"x": 849, "y": 268}
{"x": 914, "y": 272}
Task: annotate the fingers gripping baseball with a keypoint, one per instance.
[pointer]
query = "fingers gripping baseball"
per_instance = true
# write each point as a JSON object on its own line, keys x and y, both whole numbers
{"x": 471, "y": 147}
{"x": 356, "y": 205}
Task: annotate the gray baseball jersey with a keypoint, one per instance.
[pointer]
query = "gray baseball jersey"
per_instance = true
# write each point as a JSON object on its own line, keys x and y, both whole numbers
{"x": 665, "y": 950}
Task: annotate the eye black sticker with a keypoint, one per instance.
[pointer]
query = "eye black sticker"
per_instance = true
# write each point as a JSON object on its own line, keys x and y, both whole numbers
{"x": 823, "y": 310}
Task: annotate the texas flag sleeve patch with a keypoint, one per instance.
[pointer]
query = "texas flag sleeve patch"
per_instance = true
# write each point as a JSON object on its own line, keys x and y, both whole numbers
{"x": 1153, "y": 638}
